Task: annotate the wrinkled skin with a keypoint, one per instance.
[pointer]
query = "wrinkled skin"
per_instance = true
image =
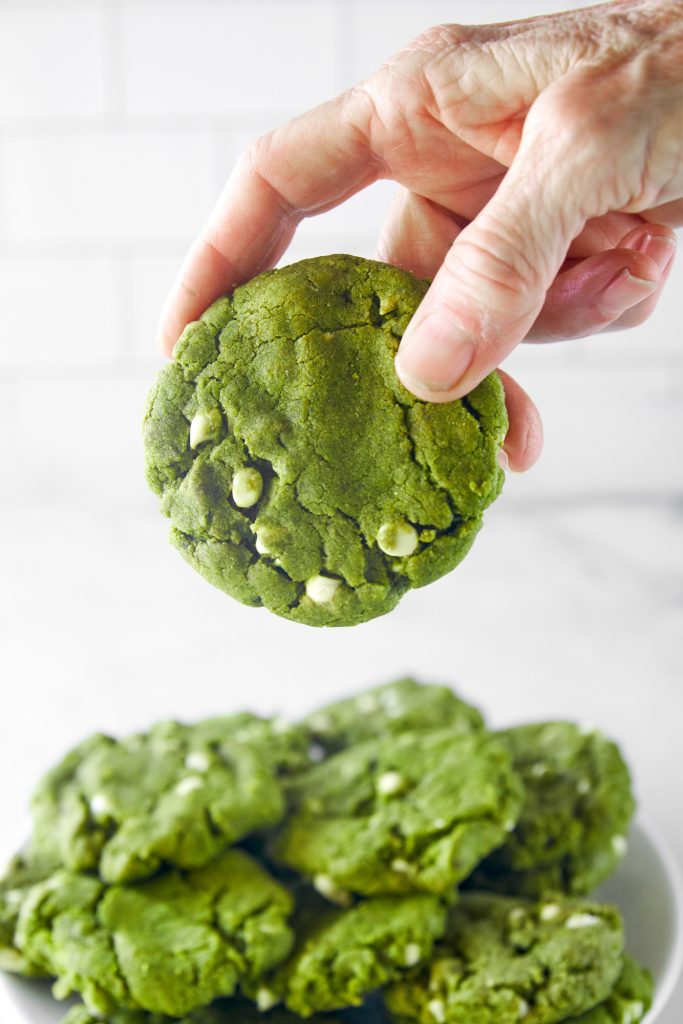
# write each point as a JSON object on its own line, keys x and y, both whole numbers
{"x": 542, "y": 171}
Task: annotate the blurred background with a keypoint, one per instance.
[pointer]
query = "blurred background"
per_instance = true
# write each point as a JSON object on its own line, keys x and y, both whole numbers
{"x": 119, "y": 122}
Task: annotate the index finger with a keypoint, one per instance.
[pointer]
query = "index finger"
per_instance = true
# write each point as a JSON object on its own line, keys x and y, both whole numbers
{"x": 305, "y": 167}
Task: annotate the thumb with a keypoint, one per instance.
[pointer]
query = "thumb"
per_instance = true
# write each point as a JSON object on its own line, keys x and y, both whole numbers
{"x": 492, "y": 283}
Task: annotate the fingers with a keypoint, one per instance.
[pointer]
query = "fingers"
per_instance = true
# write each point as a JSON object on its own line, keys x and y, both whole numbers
{"x": 494, "y": 279}
{"x": 618, "y": 288}
{"x": 416, "y": 234}
{"x": 308, "y": 166}
{"x": 524, "y": 440}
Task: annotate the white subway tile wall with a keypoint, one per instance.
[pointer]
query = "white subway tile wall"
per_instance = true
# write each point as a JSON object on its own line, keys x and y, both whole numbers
{"x": 121, "y": 119}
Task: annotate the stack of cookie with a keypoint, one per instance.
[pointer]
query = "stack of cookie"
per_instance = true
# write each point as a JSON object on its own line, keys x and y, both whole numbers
{"x": 388, "y": 844}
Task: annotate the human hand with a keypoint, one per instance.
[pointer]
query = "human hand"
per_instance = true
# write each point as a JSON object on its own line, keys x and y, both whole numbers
{"x": 585, "y": 108}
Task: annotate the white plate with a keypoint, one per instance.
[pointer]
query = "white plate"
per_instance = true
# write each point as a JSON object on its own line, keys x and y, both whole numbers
{"x": 647, "y": 887}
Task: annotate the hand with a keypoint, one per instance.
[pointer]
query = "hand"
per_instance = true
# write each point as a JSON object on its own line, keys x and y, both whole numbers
{"x": 585, "y": 109}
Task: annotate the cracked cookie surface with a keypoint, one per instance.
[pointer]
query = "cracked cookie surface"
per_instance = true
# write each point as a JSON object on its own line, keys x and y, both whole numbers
{"x": 168, "y": 945}
{"x": 402, "y": 706}
{"x": 572, "y": 831}
{"x": 410, "y": 812}
{"x": 297, "y": 471}
{"x": 342, "y": 955}
{"x": 177, "y": 794}
{"x": 505, "y": 960}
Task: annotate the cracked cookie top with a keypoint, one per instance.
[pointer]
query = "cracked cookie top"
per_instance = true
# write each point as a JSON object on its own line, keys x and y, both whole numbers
{"x": 342, "y": 955}
{"x": 402, "y": 706}
{"x": 504, "y": 960}
{"x": 297, "y": 472}
{"x": 411, "y": 812}
{"x": 578, "y": 806}
{"x": 168, "y": 945}
{"x": 177, "y": 794}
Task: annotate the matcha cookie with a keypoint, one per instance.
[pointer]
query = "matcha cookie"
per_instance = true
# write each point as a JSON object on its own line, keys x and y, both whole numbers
{"x": 406, "y": 813}
{"x": 173, "y": 795}
{"x": 296, "y": 470}
{"x": 167, "y": 945}
{"x": 572, "y": 830}
{"x": 628, "y": 1002}
{"x": 342, "y": 955}
{"x": 402, "y": 706}
{"x": 21, "y": 874}
{"x": 505, "y": 960}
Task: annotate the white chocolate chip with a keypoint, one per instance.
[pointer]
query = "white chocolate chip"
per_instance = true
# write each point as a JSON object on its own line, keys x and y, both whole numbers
{"x": 582, "y": 921}
{"x": 587, "y": 728}
{"x": 101, "y": 805}
{"x": 620, "y": 845}
{"x": 412, "y": 954}
{"x": 632, "y": 1012}
{"x": 510, "y": 825}
{"x": 439, "y": 823}
{"x": 517, "y": 917}
{"x": 400, "y": 866}
{"x": 188, "y": 785}
{"x": 538, "y": 770}
{"x": 321, "y": 589}
{"x": 321, "y": 722}
{"x": 247, "y": 487}
{"x": 437, "y": 1008}
{"x": 391, "y": 783}
{"x": 266, "y": 999}
{"x": 366, "y": 702}
{"x": 523, "y": 1009}
{"x": 397, "y": 539}
{"x": 550, "y": 912}
{"x": 13, "y": 898}
{"x": 197, "y": 761}
{"x": 328, "y": 888}
{"x": 205, "y": 426}
{"x": 583, "y": 786}
{"x": 281, "y": 726}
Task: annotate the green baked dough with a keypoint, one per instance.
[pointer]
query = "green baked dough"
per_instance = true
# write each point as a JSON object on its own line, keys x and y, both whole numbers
{"x": 406, "y": 813}
{"x": 174, "y": 795}
{"x": 356, "y": 480}
{"x": 342, "y": 955}
{"x": 628, "y": 1002}
{"x": 23, "y": 872}
{"x": 506, "y": 960}
{"x": 402, "y": 706}
{"x": 167, "y": 945}
{"x": 572, "y": 830}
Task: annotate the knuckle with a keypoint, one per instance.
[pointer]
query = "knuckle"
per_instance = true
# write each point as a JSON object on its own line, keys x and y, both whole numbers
{"x": 491, "y": 264}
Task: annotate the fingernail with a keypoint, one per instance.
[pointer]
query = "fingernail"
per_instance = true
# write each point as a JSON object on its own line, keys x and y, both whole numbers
{"x": 658, "y": 247}
{"x": 503, "y": 460}
{"x": 434, "y": 354}
{"x": 624, "y": 291}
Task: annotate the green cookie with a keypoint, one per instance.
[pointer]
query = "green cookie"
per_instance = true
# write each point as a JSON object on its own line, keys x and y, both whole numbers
{"x": 406, "y": 813}
{"x": 173, "y": 795}
{"x": 402, "y": 706}
{"x": 21, "y": 874}
{"x": 506, "y": 960}
{"x": 572, "y": 830}
{"x": 167, "y": 945}
{"x": 342, "y": 955}
{"x": 298, "y": 473}
{"x": 628, "y": 1002}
